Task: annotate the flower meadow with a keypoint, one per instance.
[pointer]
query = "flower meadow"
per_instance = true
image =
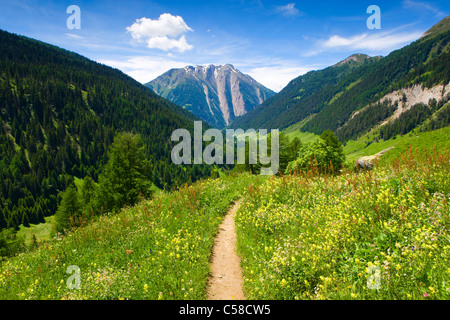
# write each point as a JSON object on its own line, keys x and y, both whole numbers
{"x": 380, "y": 234}
{"x": 158, "y": 249}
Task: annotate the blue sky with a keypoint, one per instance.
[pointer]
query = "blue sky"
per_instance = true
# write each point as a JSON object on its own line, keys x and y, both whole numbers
{"x": 273, "y": 41}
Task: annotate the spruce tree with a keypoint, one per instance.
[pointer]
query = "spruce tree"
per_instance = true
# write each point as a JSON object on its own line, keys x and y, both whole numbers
{"x": 25, "y": 220}
{"x": 3, "y": 223}
{"x": 87, "y": 190}
{"x": 126, "y": 174}
{"x": 67, "y": 210}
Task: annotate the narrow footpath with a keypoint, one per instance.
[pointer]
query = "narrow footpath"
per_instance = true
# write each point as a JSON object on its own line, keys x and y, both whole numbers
{"x": 226, "y": 280}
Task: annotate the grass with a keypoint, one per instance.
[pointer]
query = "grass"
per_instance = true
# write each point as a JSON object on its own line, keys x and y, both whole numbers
{"x": 327, "y": 237}
{"x": 306, "y": 137}
{"x": 158, "y": 249}
{"x": 79, "y": 185}
{"x": 299, "y": 237}
{"x": 42, "y": 231}
{"x": 421, "y": 140}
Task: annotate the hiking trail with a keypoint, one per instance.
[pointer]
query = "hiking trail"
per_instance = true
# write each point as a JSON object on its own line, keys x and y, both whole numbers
{"x": 225, "y": 282}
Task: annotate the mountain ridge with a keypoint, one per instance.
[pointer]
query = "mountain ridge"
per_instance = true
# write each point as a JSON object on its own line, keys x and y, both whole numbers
{"x": 329, "y": 98}
{"x": 306, "y": 88}
{"x": 216, "y": 94}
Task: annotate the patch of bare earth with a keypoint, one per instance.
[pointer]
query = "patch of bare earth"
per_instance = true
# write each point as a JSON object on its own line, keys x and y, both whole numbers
{"x": 226, "y": 280}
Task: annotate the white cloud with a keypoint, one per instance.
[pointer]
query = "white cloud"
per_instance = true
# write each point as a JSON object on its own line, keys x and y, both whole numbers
{"x": 418, "y": 5}
{"x": 276, "y": 77}
{"x": 166, "y": 25}
{"x": 379, "y": 41}
{"x": 145, "y": 68}
{"x": 166, "y": 44}
{"x": 74, "y": 36}
{"x": 165, "y": 33}
{"x": 288, "y": 9}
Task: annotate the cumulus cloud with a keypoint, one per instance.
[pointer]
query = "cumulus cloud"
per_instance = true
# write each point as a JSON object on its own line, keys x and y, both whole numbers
{"x": 166, "y": 33}
{"x": 166, "y": 44}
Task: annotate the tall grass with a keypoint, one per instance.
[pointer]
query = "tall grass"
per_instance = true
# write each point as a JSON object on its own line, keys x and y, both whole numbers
{"x": 301, "y": 236}
{"x": 310, "y": 237}
{"x": 159, "y": 249}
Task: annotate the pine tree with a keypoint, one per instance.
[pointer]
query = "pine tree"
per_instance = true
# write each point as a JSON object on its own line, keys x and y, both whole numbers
{"x": 68, "y": 209}
{"x": 40, "y": 212}
{"x": 25, "y": 220}
{"x": 126, "y": 174}
{"x": 3, "y": 223}
{"x": 87, "y": 190}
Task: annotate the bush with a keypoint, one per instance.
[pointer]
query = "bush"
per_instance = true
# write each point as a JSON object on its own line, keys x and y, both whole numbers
{"x": 324, "y": 155}
{"x": 10, "y": 244}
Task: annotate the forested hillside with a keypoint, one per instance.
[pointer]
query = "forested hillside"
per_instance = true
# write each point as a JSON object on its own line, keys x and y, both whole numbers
{"x": 59, "y": 113}
{"x": 330, "y": 98}
{"x": 305, "y": 95}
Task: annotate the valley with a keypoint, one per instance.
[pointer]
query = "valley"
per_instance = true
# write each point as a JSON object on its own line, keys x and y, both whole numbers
{"x": 93, "y": 176}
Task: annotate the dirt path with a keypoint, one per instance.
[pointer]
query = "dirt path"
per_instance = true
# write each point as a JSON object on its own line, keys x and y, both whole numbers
{"x": 226, "y": 280}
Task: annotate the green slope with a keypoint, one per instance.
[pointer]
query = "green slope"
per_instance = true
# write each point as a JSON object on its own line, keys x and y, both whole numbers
{"x": 59, "y": 113}
{"x": 298, "y": 238}
{"x": 158, "y": 249}
{"x": 304, "y": 95}
{"x": 369, "y": 144}
{"x": 326, "y": 99}
{"x": 439, "y": 139}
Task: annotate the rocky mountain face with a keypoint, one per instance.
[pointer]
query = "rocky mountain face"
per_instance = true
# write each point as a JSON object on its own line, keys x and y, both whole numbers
{"x": 216, "y": 94}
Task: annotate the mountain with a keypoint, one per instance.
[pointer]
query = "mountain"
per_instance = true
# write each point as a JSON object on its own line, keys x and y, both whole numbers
{"x": 303, "y": 95}
{"x": 59, "y": 113}
{"x": 362, "y": 93}
{"x": 216, "y": 94}
{"x": 356, "y": 60}
{"x": 442, "y": 26}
